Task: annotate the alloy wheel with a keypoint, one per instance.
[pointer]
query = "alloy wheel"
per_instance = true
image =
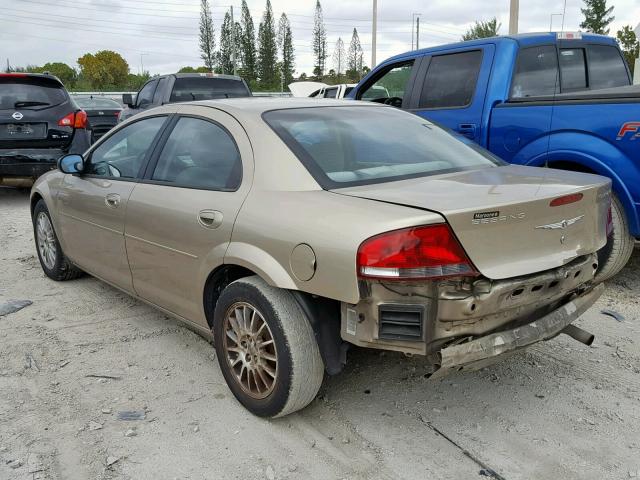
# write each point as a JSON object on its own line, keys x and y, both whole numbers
{"x": 46, "y": 240}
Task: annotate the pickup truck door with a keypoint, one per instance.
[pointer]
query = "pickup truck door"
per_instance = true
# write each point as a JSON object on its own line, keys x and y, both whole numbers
{"x": 451, "y": 88}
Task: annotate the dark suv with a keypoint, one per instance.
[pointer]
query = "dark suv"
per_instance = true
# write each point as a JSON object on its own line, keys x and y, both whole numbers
{"x": 39, "y": 123}
{"x": 183, "y": 87}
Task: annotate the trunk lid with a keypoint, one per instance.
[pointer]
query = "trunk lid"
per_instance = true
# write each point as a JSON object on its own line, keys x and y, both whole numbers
{"x": 503, "y": 218}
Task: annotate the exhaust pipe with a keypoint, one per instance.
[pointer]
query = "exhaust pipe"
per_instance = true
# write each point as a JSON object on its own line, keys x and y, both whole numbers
{"x": 579, "y": 334}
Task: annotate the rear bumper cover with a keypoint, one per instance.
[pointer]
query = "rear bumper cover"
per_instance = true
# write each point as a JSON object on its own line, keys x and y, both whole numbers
{"x": 483, "y": 351}
{"x": 28, "y": 162}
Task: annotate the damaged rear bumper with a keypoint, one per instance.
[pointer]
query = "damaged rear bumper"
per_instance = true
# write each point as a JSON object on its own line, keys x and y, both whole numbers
{"x": 485, "y": 350}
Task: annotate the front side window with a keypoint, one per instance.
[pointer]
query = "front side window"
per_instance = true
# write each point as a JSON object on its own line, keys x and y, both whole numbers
{"x": 199, "y": 154}
{"x": 331, "y": 93}
{"x": 451, "y": 80}
{"x": 536, "y": 73}
{"x": 606, "y": 67}
{"x": 391, "y": 86}
{"x": 573, "y": 69}
{"x": 123, "y": 153}
{"x": 158, "y": 96}
{"x": 145, "y": 96}
{"x": 344, "y": 146}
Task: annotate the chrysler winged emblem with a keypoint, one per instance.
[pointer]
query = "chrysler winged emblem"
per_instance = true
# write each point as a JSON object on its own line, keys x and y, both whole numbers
{"x": 561, "y": 225}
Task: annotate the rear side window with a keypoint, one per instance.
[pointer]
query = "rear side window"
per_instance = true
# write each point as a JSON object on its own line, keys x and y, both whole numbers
{"x": 187, "y": 89}
{"x": 606, "y": 67}
{"x": 573, "y": 69}
{"x": 199, "y": 154}
{"x": 451, "y": 80}
{"x": 32, "y": 93}
{"x": 536, "y": 72}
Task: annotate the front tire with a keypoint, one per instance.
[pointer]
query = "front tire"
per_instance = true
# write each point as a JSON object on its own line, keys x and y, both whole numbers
{"x": 266, "y": 348}
{"x": 616, "y": 253}
{"x": 53, "y": 261}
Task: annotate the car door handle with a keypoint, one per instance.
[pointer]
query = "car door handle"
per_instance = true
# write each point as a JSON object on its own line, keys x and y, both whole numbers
{"x": 467, "y": 129}
{"x": 210, "y": 218}
{"x": 112, "y": 200}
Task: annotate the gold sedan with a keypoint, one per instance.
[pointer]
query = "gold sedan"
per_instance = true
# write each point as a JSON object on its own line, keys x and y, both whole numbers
{"x": 288, "y": 229}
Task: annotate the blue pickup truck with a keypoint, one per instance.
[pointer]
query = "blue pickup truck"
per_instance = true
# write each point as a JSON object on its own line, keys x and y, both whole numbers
{"x": 558, "y": 100}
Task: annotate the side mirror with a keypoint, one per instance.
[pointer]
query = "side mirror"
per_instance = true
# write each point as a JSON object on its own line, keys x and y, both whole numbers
{"x": 71, "y": 163}
{"x": 127, "y": 99}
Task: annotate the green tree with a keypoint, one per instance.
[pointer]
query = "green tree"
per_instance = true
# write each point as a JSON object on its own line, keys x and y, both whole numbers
{"x": 319, "y": 43}
{"x": 64, "y": 72}
{"x": 339, "y": 58}
{"x": 105, "y": 70}
{"x": 597, "y": 16}
{"x": 135, "y": 81}
{"x": 207, "y": 36}
{"x": 483, "y": 29}
{"x": 225, "y": 58}
{"x": 630, "y": 45}
{"x": 287, "y": 53}
{"x": 267, "y": 51}
{"x": 189, "y": 69}
{"x": 354, "y": 58}
{"x": 248, "y": 57}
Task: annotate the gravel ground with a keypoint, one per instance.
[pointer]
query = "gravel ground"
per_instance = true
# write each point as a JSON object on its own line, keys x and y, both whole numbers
{"x": 558, "y": 410}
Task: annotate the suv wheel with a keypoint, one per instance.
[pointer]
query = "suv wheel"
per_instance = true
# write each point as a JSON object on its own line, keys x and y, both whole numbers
{"x": 616, "y": 253}
{"x": 266, "y": 348}
{"x": 52, "y": 259}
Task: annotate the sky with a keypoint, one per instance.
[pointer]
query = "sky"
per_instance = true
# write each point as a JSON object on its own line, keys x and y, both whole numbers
{"x": 161, "y": 36}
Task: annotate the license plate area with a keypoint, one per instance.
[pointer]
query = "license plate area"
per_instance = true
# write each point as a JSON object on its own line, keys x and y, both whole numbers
{"x": 20, "y": 131}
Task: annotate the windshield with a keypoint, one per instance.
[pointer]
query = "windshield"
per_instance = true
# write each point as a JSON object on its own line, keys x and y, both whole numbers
{"x": 29, "y": 93}
{"x": 105, "y": 103}
{"x": 345, "y": 146}
{"x": 206, "y": 88}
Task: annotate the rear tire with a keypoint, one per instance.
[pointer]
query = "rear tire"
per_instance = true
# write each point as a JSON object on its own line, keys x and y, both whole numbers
{"x": 273, "y": 369}
{"x": 616, "y": 253}
{"x": 53, "y": 261}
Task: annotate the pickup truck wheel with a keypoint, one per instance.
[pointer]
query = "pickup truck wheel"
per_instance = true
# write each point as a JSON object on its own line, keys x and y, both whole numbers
{"x": 53, "y": 261}
{"x": 616, "y": 253}
{"x": 266, "y": 348}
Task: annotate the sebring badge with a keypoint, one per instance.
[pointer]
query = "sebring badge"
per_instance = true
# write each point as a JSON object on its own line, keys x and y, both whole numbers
{"x": 562, "y": 225}
{"x": 17, "y": 116}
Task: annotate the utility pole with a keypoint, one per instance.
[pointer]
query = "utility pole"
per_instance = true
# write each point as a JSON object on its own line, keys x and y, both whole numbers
{"x": 374, "y": 33}
{"x": 513, "y": 17}
{"x": 418, "y": 33}
{"x": 233, "y": 42}
{"x": 413, "y": 29}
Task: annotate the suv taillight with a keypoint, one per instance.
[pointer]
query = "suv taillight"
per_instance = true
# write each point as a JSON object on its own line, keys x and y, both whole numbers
{"x": 426, "y": 252}
{"x": 74, "y": 119}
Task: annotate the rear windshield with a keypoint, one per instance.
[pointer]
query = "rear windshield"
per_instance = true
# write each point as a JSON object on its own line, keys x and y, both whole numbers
{"x": 345, "y": 146}
{"x": 105, "y": 103}
{"x": 34, "y": 93}
{"x": 206, "y": 88}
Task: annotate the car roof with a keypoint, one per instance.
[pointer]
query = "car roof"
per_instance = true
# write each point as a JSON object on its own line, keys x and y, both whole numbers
{"x": 206, "y": 75}
{"x": 259, "y": 105}
{"x": 523, "y": 39}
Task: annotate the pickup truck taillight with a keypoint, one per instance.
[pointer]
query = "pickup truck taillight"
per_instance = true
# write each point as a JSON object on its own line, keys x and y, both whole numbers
{"x": 74, "y": 119}
{"x": 426, "y": 252}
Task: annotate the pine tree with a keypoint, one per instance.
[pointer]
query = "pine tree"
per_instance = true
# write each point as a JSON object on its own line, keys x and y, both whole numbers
{"x": 319, "y": 42}
{"x": 207, "y": 36}
{"x": 354, "y": 58}
{"x": 597, "y": 16}
{"x": 225, "y": 58}
{"x": 630, "y": 45}
{"x": 339, "y": 57}
{"x": 287, "y": 54}
{"x": 267, "y": 50}
{"x": 248, "y": 57}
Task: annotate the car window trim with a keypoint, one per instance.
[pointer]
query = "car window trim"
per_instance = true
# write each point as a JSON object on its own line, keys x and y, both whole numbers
{"x": 146, "y": 159}
{"x": 162, "y": 141}
{"x": 480, "y": 49}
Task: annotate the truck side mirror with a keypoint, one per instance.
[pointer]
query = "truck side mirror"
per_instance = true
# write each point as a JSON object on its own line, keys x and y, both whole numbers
{"x": 127, "y": 99}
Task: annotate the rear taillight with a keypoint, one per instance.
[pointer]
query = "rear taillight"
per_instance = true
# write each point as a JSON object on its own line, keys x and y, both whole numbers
{"x": 566, "y": 200}
{"x": 609, "y": 221}
{"x": 427, "y": 252}
{"x": 75, "y": 119}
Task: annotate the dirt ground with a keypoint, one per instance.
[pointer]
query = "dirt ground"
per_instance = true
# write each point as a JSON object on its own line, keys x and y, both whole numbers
{"x": 560, "y": 410}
